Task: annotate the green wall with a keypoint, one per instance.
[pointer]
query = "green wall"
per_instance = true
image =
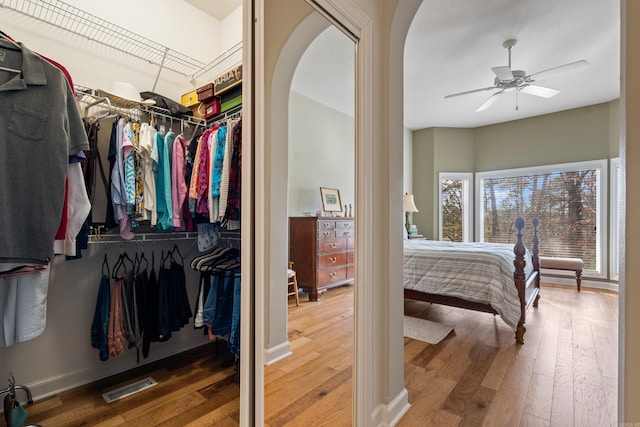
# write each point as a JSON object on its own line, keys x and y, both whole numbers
{"x": 321, "y": 154}
{"x": 588, "y": 133}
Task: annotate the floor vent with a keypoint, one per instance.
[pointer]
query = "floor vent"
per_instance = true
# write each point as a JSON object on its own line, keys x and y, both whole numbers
{"x": 128, "y": 390}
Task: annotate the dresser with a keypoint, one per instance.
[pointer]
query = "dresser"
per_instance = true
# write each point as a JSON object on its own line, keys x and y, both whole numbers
{"x": 321, "y": 249}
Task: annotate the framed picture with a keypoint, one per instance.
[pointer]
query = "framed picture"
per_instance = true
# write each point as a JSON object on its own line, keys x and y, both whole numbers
{"x": 330, "y": 199}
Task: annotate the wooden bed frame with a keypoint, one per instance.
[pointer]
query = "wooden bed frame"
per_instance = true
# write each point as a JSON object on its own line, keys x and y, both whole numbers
{"x": 528, "y": 287}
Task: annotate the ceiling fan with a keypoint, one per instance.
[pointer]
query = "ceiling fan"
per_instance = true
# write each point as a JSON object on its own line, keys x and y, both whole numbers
{"x": 508, "y": 80}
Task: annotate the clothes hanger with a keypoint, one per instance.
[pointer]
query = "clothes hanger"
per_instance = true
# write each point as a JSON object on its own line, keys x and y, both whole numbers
{"x": 105, "y": 264}
{"x": 176, "y": 250}
{"x": 8, "y": 39}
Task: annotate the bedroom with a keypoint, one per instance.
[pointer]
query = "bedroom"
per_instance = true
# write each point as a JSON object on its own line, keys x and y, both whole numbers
{"x": 568, "y": 141}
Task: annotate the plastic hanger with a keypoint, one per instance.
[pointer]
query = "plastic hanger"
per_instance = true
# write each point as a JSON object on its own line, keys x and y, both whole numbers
{"x": 105, "y": 264}
{"x": 176, "y": 250}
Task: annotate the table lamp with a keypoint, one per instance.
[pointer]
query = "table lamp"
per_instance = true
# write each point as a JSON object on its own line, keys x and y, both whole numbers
{"x": 409, "y": 206}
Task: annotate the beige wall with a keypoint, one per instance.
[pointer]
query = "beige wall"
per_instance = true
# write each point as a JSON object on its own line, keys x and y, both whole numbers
{"x": 321, "y": 154}
{"x": 437, "y": 150}
{"x": 568, "y": 136}
{"x": 630, "y": 266}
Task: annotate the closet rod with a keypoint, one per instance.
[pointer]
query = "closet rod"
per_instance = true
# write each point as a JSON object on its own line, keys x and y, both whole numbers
{"x": 142, "y": 237}
{"x": 156, "y": 111}
{"x": 232, "y": 113}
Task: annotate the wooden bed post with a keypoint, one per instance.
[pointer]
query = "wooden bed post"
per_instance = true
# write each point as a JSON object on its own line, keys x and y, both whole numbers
{"x": 535, "y": 257}
{"x": 520, "y": 278}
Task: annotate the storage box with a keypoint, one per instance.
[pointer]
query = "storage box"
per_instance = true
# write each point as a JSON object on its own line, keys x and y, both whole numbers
{"x": 189, "y": 98}
{"x": 198, "y": 110}
{"x": 228, "y": 80}
{"x": 205, "y": 92}
{"x": 212, "y": 108}
{"x": 231, "y": 103}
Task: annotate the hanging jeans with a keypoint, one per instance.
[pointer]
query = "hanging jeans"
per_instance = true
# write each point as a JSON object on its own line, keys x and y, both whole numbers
{"x": 234, "y": 335}
{"x": 222, "y": 307}
{"x": 100, "y": 325}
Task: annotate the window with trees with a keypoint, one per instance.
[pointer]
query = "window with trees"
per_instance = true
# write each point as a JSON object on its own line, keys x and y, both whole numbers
{"x": 455, "y": 206}
{"x": 569, "y": 199}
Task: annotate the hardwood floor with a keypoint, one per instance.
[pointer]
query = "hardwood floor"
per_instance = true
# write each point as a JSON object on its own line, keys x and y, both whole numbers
{"x": 564, "y": 375}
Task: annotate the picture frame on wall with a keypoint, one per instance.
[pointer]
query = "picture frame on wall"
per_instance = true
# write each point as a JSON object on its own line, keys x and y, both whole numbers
{"x": 330, "y": 199}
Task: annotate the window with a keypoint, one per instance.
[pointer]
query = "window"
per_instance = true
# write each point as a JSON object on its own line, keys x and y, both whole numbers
{"x": 455, "y": 206}
{"x": 568, "y": 199}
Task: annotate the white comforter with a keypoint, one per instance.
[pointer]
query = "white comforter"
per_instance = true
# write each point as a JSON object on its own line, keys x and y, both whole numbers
{"x": 478, "y": 272}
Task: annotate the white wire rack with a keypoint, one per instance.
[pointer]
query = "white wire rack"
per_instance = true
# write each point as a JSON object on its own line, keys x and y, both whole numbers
{"x": 79, "y": 22}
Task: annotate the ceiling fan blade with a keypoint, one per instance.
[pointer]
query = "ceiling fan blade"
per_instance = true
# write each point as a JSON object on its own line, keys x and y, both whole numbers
{"x": 544, "y": 92}
{"x": 572, "y": 66}
{"x": 489, "y": 102}
{"x": 503, "y": 73}
{"x": 470, "y": 91}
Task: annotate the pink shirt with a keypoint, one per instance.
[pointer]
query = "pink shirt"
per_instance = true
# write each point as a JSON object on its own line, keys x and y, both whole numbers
{"x": 178, "y": 184}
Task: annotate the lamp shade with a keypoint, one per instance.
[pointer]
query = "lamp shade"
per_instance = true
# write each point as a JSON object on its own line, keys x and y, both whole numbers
{"x": 408, "y": 203}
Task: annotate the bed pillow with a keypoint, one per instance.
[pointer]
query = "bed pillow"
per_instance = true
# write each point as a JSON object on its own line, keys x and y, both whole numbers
{"x": 404, "y": 233}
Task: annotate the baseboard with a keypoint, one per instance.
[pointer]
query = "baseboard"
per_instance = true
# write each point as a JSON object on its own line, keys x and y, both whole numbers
{"x": 389, "y": 415}
{"x": 71, "y": 379}
{"x": 586, "y": 283}
{"x": 279, "y": 352}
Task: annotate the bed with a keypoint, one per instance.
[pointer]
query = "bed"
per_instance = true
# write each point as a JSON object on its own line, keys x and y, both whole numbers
{"x": 495, "y": 278}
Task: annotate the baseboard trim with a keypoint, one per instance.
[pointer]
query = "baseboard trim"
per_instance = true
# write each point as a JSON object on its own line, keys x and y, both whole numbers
{"x": 71, "y": 379}
{"x": 276, "y": 353}
{"x": 389, "y": 415}
{"x": 586, "y": 283}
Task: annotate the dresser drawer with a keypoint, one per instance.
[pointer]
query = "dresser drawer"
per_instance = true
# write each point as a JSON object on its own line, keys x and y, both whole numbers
{"x": 331, "y": 245}
{"x": 350, "y": 271}
{"x": 345, "y": 232}
{"x": 350, "y": 257}
{"x": 344, "y": 224}
{"x": 331, "y": 275}
{"x": 327, "y": 233}
{"x": 326, "y": 225}
{"x": 332, "y": 260}
{"x": 351, "y": 243}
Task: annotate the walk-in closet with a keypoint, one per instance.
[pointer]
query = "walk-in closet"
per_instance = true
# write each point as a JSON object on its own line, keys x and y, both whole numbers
{"x": 121, "y": 213}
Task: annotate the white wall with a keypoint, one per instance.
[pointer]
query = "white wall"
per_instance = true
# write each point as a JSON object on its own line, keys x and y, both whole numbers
{"x": 321, "y": 154}
{"x": 172, "y": 23}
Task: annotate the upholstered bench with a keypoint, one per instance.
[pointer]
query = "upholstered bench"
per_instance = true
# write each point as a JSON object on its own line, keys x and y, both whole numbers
{"x": 571, "y": 264}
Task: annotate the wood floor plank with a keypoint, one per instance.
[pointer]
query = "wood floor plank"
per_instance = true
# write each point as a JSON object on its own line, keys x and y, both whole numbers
{"x": 548, "y": 350}
{"x": 529, "y": 420}
{"x": 563, "y": 392}
{"x": 508, "y": 404}
{"x": 589, "y": 399}
{"x": 539, "y": 397}
{"x": 501, "y": 363}
{"x": 461, "y": 397}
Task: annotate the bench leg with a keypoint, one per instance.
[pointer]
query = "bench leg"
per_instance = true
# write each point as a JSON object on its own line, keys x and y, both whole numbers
{"x": 578, "y": 278}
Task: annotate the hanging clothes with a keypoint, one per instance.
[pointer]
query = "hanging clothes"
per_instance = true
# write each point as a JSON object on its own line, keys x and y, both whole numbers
{"x": 100, "y": 324}
{"x": 40, "y": 109}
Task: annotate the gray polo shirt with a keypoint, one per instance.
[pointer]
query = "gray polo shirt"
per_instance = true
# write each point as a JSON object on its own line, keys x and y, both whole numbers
{"x": 40, "y": 126}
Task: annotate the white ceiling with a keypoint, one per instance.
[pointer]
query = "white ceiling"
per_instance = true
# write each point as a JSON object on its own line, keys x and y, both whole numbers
{"x": 219, "y": 9}
{"x": 452, "y": 45}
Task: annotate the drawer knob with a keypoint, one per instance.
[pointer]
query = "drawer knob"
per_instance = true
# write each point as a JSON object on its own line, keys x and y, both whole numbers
{"x": 327, "y": 234}
{"x": 346, "y": 233}
{"x": 332, "y": 275}
{"x": 333, "y": 259}
{"x": 332, "y": 245}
